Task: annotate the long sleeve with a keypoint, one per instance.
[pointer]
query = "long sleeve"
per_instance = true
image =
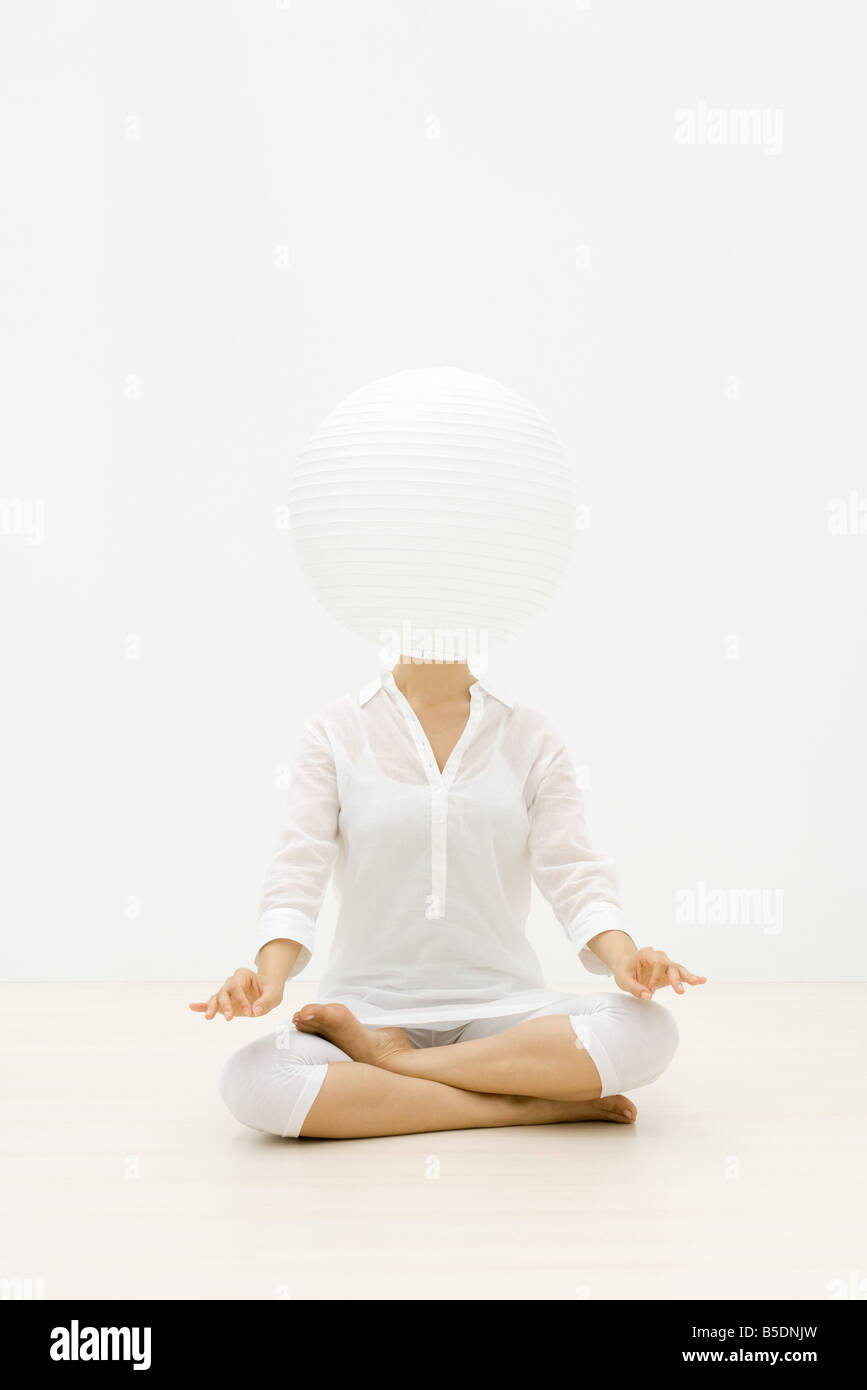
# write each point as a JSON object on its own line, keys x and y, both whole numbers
{"x": 578, "y": 882}
{"x": 298, "y": 876}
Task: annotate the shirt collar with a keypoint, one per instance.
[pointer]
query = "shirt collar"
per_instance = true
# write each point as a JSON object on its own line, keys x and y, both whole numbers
{"x": 368, "y": 691}
{"x": 496, "y": 693}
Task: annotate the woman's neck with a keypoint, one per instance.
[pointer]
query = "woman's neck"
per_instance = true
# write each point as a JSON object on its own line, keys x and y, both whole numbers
{"x": 432, "y": 682}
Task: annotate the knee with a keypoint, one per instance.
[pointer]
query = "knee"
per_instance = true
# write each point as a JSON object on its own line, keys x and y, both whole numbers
{"x": 243, "y": 1080}
{"x": 659, "y": 1037}
{"x": 271, "y": 1083}
{"x": 640, "y": 1037}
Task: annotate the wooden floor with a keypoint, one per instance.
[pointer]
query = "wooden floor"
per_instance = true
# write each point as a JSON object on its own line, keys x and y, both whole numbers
{"x": 123, "y": 1176}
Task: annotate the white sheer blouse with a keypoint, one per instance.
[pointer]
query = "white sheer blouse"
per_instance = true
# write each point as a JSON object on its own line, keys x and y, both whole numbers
{"x": 433, "y": 869}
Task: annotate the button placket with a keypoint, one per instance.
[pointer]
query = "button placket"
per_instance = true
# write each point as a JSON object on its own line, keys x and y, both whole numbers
{"x": 440, "y": 782}
{"x": 439, "y": 822}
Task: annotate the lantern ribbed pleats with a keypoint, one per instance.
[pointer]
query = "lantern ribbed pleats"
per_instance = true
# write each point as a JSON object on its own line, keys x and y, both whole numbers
{"x": 435, "y": 498}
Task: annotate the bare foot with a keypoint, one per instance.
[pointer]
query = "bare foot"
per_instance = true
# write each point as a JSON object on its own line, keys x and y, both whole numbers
{"x": 618, "y": 1109}
{"x": 340, "y": 1026}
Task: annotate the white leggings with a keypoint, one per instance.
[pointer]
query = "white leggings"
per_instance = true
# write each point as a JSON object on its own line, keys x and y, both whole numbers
{"x": 271, "y": 1083}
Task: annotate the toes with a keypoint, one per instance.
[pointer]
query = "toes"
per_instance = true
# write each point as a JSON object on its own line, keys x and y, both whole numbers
{"x": 322, "y": 1018}
{"x": 622, "y": 1110}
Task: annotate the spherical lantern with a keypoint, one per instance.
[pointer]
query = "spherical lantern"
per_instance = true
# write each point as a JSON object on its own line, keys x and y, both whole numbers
{"x": 433, "y": 502}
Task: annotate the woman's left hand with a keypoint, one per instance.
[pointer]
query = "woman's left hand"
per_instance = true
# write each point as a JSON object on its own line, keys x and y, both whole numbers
{"x": 646, "y": 971}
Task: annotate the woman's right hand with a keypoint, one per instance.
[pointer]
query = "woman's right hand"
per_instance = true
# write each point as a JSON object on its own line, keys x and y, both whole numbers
{"x": 246, "y": 994}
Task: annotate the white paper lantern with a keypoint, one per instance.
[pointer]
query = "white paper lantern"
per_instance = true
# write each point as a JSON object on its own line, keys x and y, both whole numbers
{"x": 433, "y": 501}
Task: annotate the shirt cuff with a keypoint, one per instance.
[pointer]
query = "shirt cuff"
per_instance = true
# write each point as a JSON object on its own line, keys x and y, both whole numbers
{"x": 596, "y": 918}
{"x": 286, "y": 924}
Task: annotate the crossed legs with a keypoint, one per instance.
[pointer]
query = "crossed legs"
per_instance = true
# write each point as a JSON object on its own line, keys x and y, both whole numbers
{"x": 330, "y": 1077}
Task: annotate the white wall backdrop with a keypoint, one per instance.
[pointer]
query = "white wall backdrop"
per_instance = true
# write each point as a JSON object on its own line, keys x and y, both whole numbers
{"x": 218, "y": 219}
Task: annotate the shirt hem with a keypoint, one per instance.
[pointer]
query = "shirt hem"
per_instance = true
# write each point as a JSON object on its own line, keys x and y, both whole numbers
{"x": 466, "y": 1012}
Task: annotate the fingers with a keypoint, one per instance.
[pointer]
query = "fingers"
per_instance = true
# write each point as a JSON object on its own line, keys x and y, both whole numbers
{"x": 269, "y": 998}
{"x": 261, "y": 1001}
{"x": 677, "y": 976}
{"x": 659, "y": 973}
{"x": 650, "y": 969}
{"x": 244, "y": 995}
{"x": 691, "y": 979}
{"x": 233, "y": 1000}
{"x": 208, "y": 1008}
{"x": 633, "y": 986}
